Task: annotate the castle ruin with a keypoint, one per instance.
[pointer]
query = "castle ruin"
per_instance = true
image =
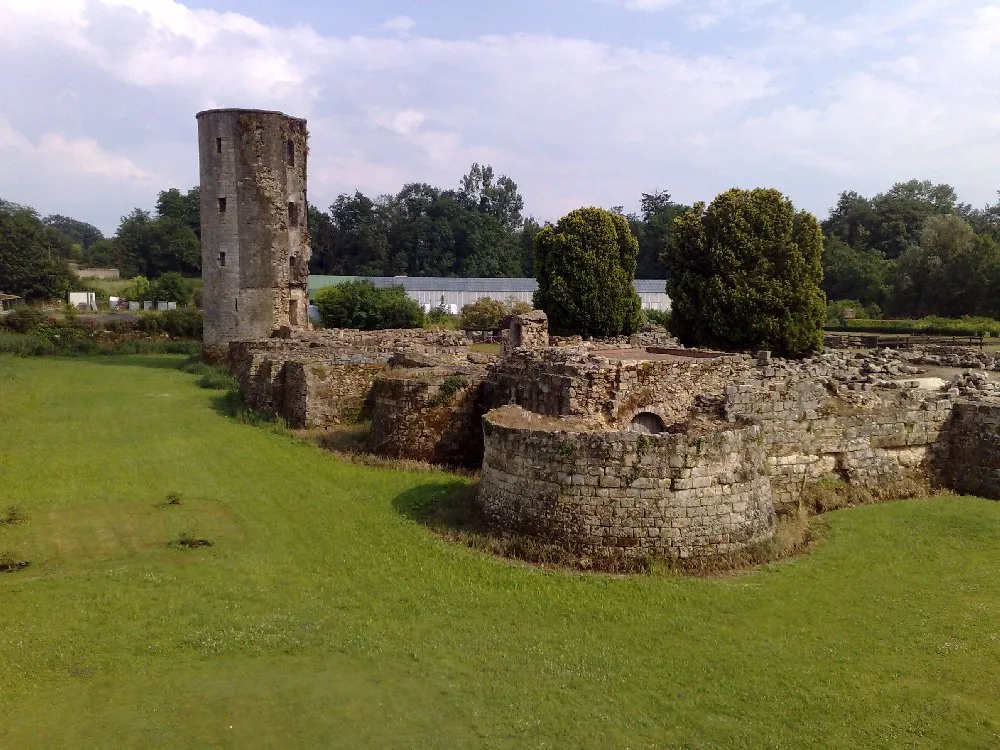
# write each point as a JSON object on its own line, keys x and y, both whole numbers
{"x": 626, "y": 447}
{"x": 254, "y": 233}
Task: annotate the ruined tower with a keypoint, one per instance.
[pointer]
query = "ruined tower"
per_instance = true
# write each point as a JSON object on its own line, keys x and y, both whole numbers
{"x": 254, "y": 230}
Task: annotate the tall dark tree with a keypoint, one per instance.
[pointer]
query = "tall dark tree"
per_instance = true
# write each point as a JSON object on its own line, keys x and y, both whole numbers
{"x": 653, "y": 228}
{"x": 76, "y": 232}
{"x": 184, "y": 208}
{"x": 29, "y": 264}
{"x": 744, "y": 273}
{"x": 585, "y": 265}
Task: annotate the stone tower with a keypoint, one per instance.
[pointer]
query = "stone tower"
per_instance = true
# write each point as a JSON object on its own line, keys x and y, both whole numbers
{"x": 254, "y": 225}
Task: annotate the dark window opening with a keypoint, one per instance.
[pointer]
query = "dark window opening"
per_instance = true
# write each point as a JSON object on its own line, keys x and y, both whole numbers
{"x": 237, "y": 301}
{"x": 290, "y": 153}
{"x": 293, "y": 212}
{"x": 292, "y": 267}
{"x": 222, "y": 205}
{"x": 218, "y": 145}
{"x": 293, "y": 313}
{"x": 647, "y": 423}
{"x": 222, "y": 259}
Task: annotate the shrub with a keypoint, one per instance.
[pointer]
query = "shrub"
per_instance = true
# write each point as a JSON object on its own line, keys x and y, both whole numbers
{"x": 484, "y": 314}
{"x": 744, "y": 273}
{"x": 23, "y": 319}
{"x": 184, "y": 322}
{"x": 359, "y": 304}
{"x": 658, "y": 317}
{"x": 25, "y": 345}
{"x": 585, "y": 265}
{"x": 172, "y": 287}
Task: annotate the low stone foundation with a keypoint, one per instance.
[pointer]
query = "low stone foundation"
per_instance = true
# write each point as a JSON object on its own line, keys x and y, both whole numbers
{"x": 697, "y": 494}
{"x": 429, "y": 414}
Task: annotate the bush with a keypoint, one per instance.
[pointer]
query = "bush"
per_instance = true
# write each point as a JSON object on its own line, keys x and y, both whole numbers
{"x": 359, "y": 304}
{"x": 183, "y": 323}
{"x": 929, "y": 326}
{"x": 23, "y": 319}
{"x": 172, "y": 287}
{"x": 658, "y": 317}
{"x": 585, "y": 265}
{"x": 744, "y": 273}
{"x": 25, "y": 345}
{"x": 484, "y": 315}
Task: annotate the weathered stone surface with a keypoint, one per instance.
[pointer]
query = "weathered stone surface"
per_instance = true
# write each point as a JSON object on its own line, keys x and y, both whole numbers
{"x": 686, "y": 495}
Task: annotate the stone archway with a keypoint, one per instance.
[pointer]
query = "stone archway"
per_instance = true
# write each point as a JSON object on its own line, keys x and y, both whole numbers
{"x": 647, "y": 423}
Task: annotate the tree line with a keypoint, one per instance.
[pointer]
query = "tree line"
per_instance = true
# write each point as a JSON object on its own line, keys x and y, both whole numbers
{"x": 912, "y": 250}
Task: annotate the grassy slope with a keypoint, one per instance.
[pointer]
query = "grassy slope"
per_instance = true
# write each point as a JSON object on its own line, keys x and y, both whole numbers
{"x": 325, "y": 616}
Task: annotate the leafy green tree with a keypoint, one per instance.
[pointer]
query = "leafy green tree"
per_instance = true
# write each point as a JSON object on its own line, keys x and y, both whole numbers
{"x": 184, "y": 208}
{"x": 101, "y": 254}
{"x": 75, "y": 232}
{"x": 850, "y": 274}
{"x": 156, "y": 246}
{"x": 900, "y": 213}
{"x": 585, "y": 265}
{"x": 526, "y": 242}
{"x": 484, "y": 314}
{"x": 951, "y": 272}
{"x": 30, "y": 263}
{"x": 172, "y": 287}
{"x": 653, "y": 228}
{"x": 744, "y": 273}
{"x": 359, "y": 304}
{"x": 139, "y": 289}
{"x": 497, "y": 197}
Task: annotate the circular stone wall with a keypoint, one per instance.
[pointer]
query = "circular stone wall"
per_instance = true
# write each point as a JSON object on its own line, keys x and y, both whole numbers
{"x": 669, "y": 495}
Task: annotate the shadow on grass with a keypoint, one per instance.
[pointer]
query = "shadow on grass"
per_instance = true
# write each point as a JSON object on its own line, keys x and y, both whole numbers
{"x": 449, "y": 510}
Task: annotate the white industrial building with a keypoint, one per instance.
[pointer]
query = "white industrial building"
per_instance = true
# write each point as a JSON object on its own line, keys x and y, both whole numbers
{"x": 452, "y": 293}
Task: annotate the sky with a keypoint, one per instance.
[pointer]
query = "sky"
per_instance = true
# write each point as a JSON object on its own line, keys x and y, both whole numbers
{"x": 580, "y": 102}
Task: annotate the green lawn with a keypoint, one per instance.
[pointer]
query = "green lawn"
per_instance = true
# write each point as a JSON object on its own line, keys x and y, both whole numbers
{"x": 324, "y": 616}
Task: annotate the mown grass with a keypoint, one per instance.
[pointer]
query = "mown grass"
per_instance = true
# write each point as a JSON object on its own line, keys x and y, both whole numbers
{"x": 326, "y": 614}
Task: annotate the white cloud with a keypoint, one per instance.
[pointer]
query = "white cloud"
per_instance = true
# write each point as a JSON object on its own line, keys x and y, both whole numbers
{"x": 401, "y": 25}
{"x": 811, "y": 107}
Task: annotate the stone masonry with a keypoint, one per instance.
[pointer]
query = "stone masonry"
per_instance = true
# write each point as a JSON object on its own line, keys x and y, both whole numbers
{"x": 254, "y": 236}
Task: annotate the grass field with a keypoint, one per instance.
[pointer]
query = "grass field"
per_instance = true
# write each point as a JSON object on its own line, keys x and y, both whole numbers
{"x": 325, "y": 616}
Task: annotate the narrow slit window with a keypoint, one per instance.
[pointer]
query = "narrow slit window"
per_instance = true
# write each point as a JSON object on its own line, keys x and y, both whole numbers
{"x": 290, "y": 153}
{"x": 291, "y": 267}
{"x": 237, "y": 301}
{"x": 218, "y": 145}
{"x": 222, "y": 259}
{"x": 222, "y": 205}
{"x": 293, "y": 213}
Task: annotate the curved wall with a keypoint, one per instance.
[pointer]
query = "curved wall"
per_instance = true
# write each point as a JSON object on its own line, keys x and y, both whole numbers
{"x": 671, "y": 495}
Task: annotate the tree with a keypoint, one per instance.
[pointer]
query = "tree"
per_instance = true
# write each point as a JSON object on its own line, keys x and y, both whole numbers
{"x": 172, "y": 287}
{"x": 138, "y": 290}
{"x": 585, "y": 265}
{"x": 526, "y": 243}
{"x": 359, "y": 304}
{"x": 850, "y": 274}
{"x": 744, "y": 273}
{"x": 156, "y": 246}
{"x": 653, "y": 228}
{"x": 484, "y": 314}
{"x": 30, "y": 265}
{"x": 75, "y": 232}
{"x": 951, "y": 272}
{"x": 499, "y": 198}
{"x": 900, "y": 213}
{"x": 184, "y": 208}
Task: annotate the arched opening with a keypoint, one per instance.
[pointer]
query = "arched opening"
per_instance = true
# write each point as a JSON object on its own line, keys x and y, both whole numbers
{"x": 647, "y": 423}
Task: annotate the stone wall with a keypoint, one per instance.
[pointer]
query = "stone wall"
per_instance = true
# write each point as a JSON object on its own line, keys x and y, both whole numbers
{"x": 429, "y": 414}
{"x": 973, "y": 465}
{"x": 324, "y": 378}
{"x": 696, "y": 494}
{"x": 572, "y": 382}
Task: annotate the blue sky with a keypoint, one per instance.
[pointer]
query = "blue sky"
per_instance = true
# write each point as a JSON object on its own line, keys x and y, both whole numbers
{"x": 581, "y": 102}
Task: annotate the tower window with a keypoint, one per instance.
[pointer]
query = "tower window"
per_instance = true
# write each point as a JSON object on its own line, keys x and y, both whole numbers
{"x": 222, "y": 259}
{"x": 218, "y": 145}
{"x": 290, "y": 153}
{"x": 237, "y": 301}
{"x": 293, "y": 213}
{"x": 222, "y": 205}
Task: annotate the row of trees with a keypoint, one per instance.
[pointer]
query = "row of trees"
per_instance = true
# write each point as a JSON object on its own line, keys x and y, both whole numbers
{"x": 914, "y": 250}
